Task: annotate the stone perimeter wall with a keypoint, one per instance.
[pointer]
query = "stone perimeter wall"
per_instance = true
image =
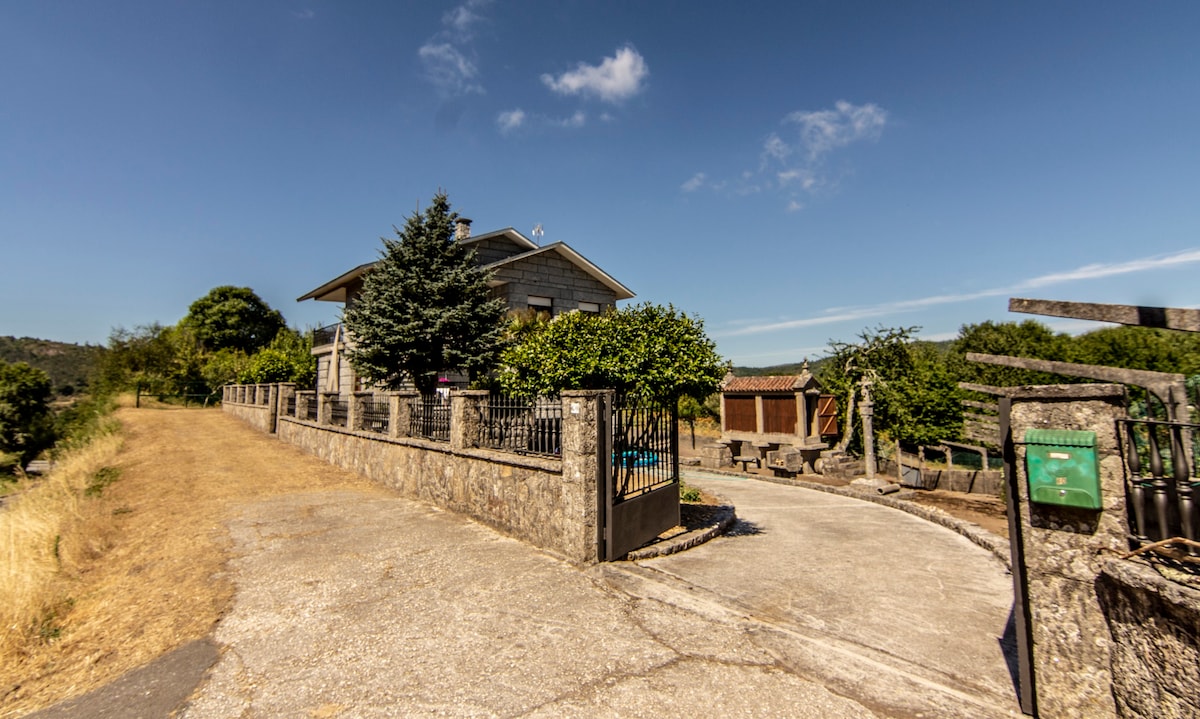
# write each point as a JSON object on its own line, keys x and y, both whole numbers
{"x": 548, "y": 502}
{"x": 1155, "y": 627}
{"x": 255, "y": 405}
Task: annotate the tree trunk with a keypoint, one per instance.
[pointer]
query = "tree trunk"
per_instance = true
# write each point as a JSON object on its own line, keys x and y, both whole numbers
{"x": 848, "y": 427}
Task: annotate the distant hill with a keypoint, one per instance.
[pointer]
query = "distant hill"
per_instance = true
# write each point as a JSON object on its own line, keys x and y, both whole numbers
{"x": 779, "y": 369}
{"x": 67, "y": 364}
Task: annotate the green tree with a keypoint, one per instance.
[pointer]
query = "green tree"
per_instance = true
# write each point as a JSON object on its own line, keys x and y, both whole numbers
{"x": 143, "y": 356}
{"x": 233, "y": 317}
{"x": 288, "y": 359}
{"x": 425, "y": 307}
{"x": 26, "y": 423}
{"x": 915, "y": 394}
{"x": 647, "y": 350}
{"x": 1030, "y": 339}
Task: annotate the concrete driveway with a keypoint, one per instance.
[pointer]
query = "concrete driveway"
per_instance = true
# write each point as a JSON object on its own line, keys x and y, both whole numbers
{"x": 353, "y": 604}
{"x": 869, "y": 598}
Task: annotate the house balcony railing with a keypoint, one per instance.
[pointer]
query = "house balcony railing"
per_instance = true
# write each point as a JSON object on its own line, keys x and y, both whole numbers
{"x": 325, "y": 335}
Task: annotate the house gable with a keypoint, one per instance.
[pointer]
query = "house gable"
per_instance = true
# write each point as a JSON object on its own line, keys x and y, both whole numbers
{"x": 556, "y": 272}
{"x": 497, "y": 246}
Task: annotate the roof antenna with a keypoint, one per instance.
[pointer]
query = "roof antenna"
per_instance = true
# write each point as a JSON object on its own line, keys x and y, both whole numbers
{"x": 537, "y": 234}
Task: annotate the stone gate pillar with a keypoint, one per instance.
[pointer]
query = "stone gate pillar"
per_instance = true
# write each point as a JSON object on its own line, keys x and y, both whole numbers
{"x": 585, "y": 414}
{"x": 1065, "y": 549}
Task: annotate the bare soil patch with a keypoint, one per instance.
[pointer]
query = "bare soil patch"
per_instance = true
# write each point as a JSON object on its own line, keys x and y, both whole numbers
{"x": 987, "y": 511}
{"x": 156, "y": 580}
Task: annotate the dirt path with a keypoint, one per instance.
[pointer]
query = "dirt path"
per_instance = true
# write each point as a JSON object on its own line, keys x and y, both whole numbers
{"x": 161, "y": 544}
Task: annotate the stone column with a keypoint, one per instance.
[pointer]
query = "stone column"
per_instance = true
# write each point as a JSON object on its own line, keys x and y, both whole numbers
{"x": 354, "y": 410}
{"x": 400, "y": 412}
{"x": 866, "y": 408}
{"x": 324, "y": 407}
{"x": 466, "y": 417}
{"x": 1065, "y": 549}
{"x": 586, "y": 413}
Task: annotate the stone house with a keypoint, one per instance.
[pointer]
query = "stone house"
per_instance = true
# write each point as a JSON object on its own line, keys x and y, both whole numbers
{"x": 553, "y": 278}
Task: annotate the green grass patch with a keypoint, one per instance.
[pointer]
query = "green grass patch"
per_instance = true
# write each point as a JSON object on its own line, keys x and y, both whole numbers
{"x": 101, "y": 479}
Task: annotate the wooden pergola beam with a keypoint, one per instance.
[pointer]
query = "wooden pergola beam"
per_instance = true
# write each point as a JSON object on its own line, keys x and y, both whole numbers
{"x": 1171, "y": 318}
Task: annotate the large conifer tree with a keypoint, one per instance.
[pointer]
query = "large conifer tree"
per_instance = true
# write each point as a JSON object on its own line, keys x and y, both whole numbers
{"x": 425, "y": 307}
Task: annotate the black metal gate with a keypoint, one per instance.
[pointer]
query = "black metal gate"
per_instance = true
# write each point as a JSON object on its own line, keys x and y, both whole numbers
{"x": 640, "y": 465}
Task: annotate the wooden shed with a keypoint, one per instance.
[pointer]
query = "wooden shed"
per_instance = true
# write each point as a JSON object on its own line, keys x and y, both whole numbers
{"x": 766, "y": 414}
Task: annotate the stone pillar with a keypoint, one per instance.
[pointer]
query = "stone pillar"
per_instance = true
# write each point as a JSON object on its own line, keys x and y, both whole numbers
{"x": 586, "y": 413}
{"x": 355, "y": 408}
{"x": 401, "y": 411}
{"x": 324, "y": 407}
{"x": 287, "y": 390}
{"x": 466, "y": 407}
{"x": 272, "y": 407}
{"x": 1065, "y": 549}
{"x": 867, "y": 409}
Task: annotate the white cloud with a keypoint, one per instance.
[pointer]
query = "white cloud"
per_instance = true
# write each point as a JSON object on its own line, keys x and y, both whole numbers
{"x": 823, "y": 131}
{"x": 448, "y": 69}
{"x": 792, "y": 160}
{"x": 695, "y": 183}
{"x": 446, "y": 55}
{"x": 305, "y": 14}
{"x": 615, "y": 79}
{"x": 464, "y": 17}
{"x": 1087, "y": 272}
{"x": 579, "y": 119}
{"x": 774, "y": 148}
{"x": 511, "y": 120}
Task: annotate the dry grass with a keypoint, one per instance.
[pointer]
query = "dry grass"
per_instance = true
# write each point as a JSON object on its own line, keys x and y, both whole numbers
{"x": 43, "y": 544}
{"x": 142, "y": 564}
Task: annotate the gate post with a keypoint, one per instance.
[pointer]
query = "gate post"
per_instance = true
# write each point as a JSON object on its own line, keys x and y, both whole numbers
{"x": 585, "y": 466}
{"x": 1064, "y": 549}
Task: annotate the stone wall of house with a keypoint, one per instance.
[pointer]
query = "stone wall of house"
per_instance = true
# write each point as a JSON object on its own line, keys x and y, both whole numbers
{"x": 547, "y": 274}
{"x": 495, "y": 249}
{"x": 1155, "y": 627}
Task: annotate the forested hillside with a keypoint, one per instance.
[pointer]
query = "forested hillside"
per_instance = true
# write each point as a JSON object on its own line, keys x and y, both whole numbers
{"x": 69, "y": 365}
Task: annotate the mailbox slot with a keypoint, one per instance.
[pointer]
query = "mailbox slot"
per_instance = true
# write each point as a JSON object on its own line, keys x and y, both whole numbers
{"x": 1062, "y": 468}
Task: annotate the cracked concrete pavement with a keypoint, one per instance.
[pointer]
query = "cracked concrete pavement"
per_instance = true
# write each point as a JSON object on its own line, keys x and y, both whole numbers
{"x": 358, "y": 606}
{"x": 362, "y": 604}
{"x": 379, "y": 607}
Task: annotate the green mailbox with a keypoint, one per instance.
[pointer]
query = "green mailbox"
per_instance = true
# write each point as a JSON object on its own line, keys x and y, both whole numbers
{"x": 1062, "y": 467}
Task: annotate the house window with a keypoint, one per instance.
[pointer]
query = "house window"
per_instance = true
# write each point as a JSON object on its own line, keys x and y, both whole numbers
{"x": 541, "y": 304}
{"x": 589, "y": 307}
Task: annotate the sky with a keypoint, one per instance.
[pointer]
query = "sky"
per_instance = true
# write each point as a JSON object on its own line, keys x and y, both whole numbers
{"x": 790, "y": 172}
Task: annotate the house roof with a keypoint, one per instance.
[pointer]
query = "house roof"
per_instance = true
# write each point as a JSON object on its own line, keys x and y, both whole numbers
{"x": 335, "y": 290}
{"x": 566, "y": 251}
{"x": 770, "y": 383}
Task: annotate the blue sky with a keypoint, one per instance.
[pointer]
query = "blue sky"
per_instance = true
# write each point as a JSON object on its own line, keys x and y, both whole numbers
{"x": 790, "y": 172}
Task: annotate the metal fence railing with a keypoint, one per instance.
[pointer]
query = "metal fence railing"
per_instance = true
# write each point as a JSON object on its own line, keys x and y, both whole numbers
{"x": 1162, "y": 481}
{"x": 339, "y": 412}
{"x": 376, "y": 416}
{"x": 289, "y": 407}
{"x": 324, "y": 335}
{"x": 645, "y": 438}
{"x": 429, "y": 418}
{"x": 521, "y": 425}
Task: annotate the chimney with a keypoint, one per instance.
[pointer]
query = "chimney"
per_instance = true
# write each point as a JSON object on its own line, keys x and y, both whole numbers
{"x": 462, "y": 229}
